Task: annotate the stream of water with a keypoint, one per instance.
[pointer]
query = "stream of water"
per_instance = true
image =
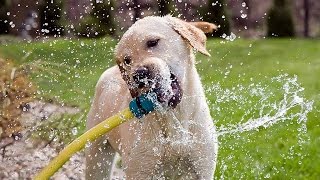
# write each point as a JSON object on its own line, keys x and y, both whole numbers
{"x": 292, "y": 106}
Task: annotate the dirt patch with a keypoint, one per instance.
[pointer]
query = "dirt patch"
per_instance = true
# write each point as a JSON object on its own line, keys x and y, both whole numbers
{"x": 20, "y": 110}
{"x": 22, "y": 156}
{"x": 39, "y": 111}
{"x": 24, "y": 159}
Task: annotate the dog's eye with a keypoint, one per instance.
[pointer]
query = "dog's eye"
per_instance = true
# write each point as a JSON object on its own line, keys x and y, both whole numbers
{"x": 152, "y": 43}
{"x": 127, "y": 60}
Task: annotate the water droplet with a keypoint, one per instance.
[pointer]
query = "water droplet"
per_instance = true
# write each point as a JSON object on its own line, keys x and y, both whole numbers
{"x": 224, "y": 35}
{"x": 74, "y": 131}
{"x": 88, "y": 144}
{"x": 12, "y": 24}
{"x": 267, "y": 176}
{"x": 232, "y": 36}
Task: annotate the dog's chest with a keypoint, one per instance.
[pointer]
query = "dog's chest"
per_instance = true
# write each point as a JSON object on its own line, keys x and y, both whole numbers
{"x": 172, "y": 143}
{"x": 170, "y": 137}
{"x": 174, "y": 152}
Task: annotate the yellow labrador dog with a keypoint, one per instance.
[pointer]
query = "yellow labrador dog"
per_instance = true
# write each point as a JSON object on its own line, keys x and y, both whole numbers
{"x": 178, "y": 141}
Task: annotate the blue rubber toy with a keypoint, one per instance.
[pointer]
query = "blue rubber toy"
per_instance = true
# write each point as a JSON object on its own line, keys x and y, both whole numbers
{"x": 143, "y": 105}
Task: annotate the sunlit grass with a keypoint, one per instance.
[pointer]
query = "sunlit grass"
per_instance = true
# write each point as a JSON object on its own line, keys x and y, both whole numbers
{"x": 68, "y": 71}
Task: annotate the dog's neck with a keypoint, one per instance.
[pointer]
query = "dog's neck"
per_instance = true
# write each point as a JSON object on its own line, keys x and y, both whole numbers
{"x": 192, "y": 85}
{"x": 190, "y": 115}
{"x": 191, "y": 112}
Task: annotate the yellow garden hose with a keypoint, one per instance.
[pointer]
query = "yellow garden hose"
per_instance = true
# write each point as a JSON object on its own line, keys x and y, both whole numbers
{"x": 81, "y": 141}
{"x": 138, "y": 107}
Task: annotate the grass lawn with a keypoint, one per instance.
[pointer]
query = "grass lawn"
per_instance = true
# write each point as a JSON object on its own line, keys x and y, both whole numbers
{"x": 67, "y": 71}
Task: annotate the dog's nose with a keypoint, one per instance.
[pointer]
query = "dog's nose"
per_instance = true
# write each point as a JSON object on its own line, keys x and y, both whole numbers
{"x": 141, "y": 75}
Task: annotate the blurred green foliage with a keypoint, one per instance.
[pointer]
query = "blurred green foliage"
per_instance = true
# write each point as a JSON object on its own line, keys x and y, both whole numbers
{"x": 215, "y": 12}
{"x": 100, "y": 22}
{"x": 280, "y": 22}
{"x": 50, "y": 13}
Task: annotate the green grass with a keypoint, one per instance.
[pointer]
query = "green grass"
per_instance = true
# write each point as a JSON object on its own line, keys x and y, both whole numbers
{"x": 72, "y": 68}
{"x": 274, "y": 151}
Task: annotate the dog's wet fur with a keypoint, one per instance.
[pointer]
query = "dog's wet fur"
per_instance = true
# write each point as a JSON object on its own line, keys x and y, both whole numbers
{"x": 156, "y": 54}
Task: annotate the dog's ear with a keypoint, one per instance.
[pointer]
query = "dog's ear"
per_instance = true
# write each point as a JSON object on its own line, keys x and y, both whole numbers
{"x": 206, "y": 27}
{"x": 192, "y": 32}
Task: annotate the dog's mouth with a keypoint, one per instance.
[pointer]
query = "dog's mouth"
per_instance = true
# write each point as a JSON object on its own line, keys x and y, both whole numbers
{"x": 168, "y": 94}
{"x": 172, "y": 96}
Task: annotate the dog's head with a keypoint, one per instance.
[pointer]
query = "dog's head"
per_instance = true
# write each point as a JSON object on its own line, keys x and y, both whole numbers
{"x": 154, "y": 53}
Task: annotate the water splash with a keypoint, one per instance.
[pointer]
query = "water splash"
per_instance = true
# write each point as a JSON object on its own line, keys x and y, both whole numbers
{"x": 254, "y": 107}
{"x": 292, "y": 106}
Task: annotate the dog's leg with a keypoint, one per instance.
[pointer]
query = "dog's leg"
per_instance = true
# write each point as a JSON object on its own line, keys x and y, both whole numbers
{"x": 99, "y": 154}
{"x": 111, "y": 96}
{"x": 99, "y": 159}
{"x": 143, "y": 163}
{"x": 204, "y": 163}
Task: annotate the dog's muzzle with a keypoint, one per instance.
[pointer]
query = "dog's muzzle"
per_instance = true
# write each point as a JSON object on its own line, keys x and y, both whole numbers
{"x": 142, "y": 76}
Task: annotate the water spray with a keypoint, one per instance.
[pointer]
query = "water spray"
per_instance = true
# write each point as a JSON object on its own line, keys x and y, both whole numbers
{"x": 279, "y": 111}
{"x": 138, "y": 107}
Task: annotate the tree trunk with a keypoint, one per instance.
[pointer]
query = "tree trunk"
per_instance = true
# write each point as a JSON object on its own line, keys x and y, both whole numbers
{"x": 137, "y": 10}
{"x": 75, "y": 11}
{"x": 163, "y": 7}
{"x": 24, "y": 17}
{"x": 306, "y": 18}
